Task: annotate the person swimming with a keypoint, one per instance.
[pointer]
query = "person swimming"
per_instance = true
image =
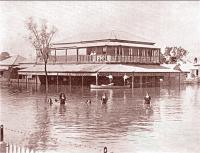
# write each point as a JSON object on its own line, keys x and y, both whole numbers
{"x": 50, "y": 101}
{"x": 104, "y": 98}
{"x": 88, "y": 101}
{"x": 147, "y": 99}
{"x": 62, "y": 98}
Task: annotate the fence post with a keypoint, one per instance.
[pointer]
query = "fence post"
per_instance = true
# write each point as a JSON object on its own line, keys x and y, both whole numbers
{"x": 2, "y": 143}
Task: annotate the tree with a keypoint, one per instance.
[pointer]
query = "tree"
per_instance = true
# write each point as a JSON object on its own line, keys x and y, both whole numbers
{"x": 162, "y": 58}
{"x": 173, "y": 54}
{"x": 41, "y": 37}
{"x": 4, "y": 55}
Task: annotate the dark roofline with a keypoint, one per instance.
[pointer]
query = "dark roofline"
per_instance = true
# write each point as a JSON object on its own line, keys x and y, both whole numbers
{"x": 108, "y": 40}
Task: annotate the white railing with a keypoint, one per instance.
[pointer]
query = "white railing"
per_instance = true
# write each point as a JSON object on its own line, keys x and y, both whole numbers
{"x": 103, "y": 59}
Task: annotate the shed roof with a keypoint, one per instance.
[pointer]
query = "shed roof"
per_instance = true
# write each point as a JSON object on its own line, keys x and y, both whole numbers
{"x": 154, "y": 69}
{"x": 59, "y": 68}
{"x": 117, "y": 68}
{"x": 101, "y": 68}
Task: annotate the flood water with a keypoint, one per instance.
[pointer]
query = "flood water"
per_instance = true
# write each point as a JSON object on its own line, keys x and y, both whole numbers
{"x": 123, "y": 124}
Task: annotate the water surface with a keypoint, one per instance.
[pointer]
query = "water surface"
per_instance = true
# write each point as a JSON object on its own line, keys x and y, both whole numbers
{"x": 123, "y": 125}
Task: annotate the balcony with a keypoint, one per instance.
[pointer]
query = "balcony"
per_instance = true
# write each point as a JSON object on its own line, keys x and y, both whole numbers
{"x": 103, "y": 59}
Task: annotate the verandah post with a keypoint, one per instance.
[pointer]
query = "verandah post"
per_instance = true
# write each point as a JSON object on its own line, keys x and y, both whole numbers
{"x": 55, "y": 57}
{"x": 18, "y": 79}
{"x": 57, "y": 81}
{"x": 82, "y": 80}
{"x": 26, "y": 79}
{"x": 70, "y": 81}
{"x": 97, "y": 79}
{"x": 179, "y": 81}
{"x": 66, "y": 55}
{"x": 36, "y": 77}
{"x": 2, "y": 143}
{"x": 132, "y": 80}
{"x": 77, "y": 54}
{"x": 1, "y": 133}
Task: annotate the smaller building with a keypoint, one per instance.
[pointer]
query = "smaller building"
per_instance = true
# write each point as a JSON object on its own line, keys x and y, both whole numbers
{"x": 29, "y": 78}
{"x": 197, "y": 66}
{"x": 9, "y": 69}
{"x": 189, "y": 71}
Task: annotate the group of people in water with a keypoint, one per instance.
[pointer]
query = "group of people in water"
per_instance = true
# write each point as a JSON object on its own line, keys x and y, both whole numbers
{"x": 62, "y": 99}
{"x": 104, "y": 99}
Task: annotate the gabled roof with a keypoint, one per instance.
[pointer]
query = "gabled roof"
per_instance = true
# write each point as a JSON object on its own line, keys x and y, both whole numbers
{"x": 12, "y": 61}
{"x": 183, "y": 67}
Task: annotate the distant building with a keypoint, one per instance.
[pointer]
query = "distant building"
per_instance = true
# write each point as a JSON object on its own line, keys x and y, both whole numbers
{"x": 8, "y": 67}
{"x": 197, "y": 65}
{"x": 90, "y": 61}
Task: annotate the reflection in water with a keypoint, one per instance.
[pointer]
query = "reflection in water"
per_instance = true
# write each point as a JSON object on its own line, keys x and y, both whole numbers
{"x": 123, "y": 124}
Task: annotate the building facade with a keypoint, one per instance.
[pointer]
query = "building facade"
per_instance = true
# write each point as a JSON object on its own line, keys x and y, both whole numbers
{"x": 92, "y": 61}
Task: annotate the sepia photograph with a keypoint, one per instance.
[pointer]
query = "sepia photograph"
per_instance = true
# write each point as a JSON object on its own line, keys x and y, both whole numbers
{"x": 99, "y": 76}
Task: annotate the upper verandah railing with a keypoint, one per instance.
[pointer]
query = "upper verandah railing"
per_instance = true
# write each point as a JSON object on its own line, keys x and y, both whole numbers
{"x": 103, "y": 59}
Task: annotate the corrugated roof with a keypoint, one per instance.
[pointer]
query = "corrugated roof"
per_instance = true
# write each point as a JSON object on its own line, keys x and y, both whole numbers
{"x": 120, "y": 35}
{"x": 186, "y": 67}
{"x": 2, "y": 68}
{"x": 64, "y": 68}
{"x": 14, "y": 60}
{"x": 117, "y": 68}
{"x": 93, "y": 68}
{"x": 28, "y": 61}
{"x": 23, "y": 66}
{"x": 183, "y": 67}
{"x": 154, "y": 68}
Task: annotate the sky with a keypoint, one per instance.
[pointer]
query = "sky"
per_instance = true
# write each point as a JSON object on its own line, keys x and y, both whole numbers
{"x": 167, "y": 23}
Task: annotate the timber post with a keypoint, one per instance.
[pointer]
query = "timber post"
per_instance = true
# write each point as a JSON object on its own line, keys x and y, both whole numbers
{"x": 97, "y": 79}
{"x": 82, "y": 79}
{"x": 57, "y": 82}
{"x": 2, "y": 143}
{"x": 26, "y": 76}
{"x": 77, "y": 54}
{"x": 1, "y": 133}
{"x": 132, "y": 80}
{"x": 18, "y": 79}
{"x": 70, "y": 82}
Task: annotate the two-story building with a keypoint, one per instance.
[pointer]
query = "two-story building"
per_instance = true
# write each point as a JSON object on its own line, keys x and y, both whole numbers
{"x": 91, "y": 61}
